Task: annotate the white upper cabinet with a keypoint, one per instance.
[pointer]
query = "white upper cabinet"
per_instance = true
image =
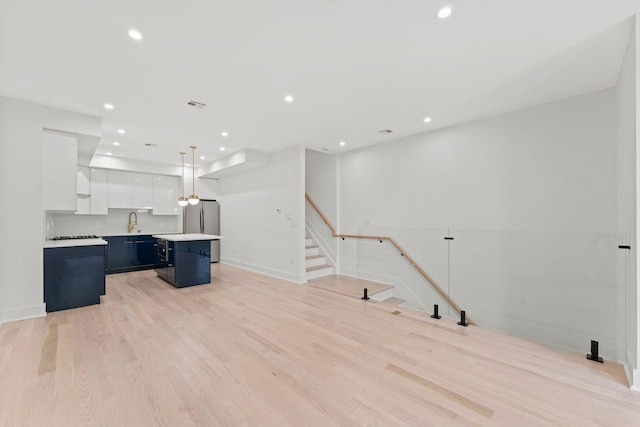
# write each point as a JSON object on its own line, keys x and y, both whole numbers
{"x": 83, "y": 182}
{"x": 99, "y": 192}
{"x": 173, "y": 194}
{"x": 159, "y": 195}
{"x": 166, "y": 190}
{"x": 141, "y": 191}
{"x": 60, "y": 160}
{"x": 92, "y": 191}
{"x": 119, "y": 190}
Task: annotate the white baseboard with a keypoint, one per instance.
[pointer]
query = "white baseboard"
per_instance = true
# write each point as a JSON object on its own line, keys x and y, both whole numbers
{"x": 22, "y": 313}
{"x": 384, "y": 295}
{"x": 633, "y": 375}
{"x": 265, "y": 270}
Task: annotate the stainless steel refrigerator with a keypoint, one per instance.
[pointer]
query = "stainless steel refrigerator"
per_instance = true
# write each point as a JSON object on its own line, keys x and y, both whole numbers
{"x": 204, "y": 218}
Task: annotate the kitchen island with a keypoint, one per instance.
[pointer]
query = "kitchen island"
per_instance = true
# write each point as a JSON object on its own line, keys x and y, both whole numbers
{"x": 184, "y": 259}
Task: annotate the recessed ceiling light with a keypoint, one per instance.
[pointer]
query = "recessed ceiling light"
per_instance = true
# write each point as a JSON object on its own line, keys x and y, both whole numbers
{"x": 116, "y": 143}
{"x": 222, "y": 148}
{"x": 121, "y": 131}
{"x": 225, "y": 134}
{"x": 202, "y": 157}
{"x": 108, "y": 154}
{"x": 427, "y": 119}
{"x": 342, "y": 143}
{"x": 135, "y": 34}
{"x": 288, "y": 98}
{"x": 444, "y": 12}
{"x": 109, "y": 106}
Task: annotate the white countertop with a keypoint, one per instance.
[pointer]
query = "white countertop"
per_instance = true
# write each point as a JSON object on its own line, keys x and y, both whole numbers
{"x": 187, "y": 237}
{"x": 73, "y": 242}
{"x": 143, "y": 233}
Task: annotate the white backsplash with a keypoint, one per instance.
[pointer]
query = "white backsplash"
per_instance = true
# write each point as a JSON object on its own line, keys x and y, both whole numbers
{"x": 70, "y": 224}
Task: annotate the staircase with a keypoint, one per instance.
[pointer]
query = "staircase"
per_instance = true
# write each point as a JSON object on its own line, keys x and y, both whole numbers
{"x": 317, "y": 264}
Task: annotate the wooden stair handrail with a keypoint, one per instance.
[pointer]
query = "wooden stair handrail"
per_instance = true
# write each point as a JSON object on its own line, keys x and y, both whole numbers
{"x": 404, "y": 253}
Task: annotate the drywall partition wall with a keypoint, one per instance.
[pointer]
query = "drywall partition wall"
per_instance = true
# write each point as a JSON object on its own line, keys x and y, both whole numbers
{"x": 519, "y": 182}
{"x": 22, "y": 222}
{"x": 627, "y": 112}
{"x": 262, "y": 216}
{"x": 321, "y": 185}
{"x": 549, "y": 168}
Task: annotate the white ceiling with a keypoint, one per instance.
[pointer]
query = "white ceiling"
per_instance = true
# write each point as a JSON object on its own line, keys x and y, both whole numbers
{"x": 354, "y": 66}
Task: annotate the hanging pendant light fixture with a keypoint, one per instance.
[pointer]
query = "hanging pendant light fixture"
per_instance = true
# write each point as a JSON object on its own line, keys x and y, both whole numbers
{"x": 193, "y": 199}
{"x": 182, "y": 201}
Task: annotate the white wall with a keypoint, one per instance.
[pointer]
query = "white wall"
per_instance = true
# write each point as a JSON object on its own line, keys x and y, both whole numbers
{"x": 321, "y": 185}
{"x": 256, "y": 236}
{"x": 207, "y": 188}
{"x": 550, "y": 167}
{"x": 627, "y": 109}
{"x": 531, "y": 197}
{"x": 21, "y": 192}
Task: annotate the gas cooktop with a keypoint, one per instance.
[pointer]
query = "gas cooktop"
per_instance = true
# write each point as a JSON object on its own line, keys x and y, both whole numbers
{"x": 91, "y": 236}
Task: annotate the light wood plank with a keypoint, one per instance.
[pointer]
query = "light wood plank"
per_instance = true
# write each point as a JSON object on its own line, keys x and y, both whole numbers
{"x": 250, "y": 349}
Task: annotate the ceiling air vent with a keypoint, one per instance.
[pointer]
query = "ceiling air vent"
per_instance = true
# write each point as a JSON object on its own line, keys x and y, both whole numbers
{"x": 194, "y": 104}
{"x": 148, "y": 144}
{"x": 385, "y": 131}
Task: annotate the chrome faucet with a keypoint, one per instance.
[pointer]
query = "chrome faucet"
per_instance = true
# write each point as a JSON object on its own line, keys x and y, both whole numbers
{"x": 133, "y": 223}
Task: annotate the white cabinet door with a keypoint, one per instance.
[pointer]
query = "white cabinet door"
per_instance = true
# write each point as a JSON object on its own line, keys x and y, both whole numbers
{"x": 99, "y": 192}
{"x": 166, "y": 191}
{"x": 159, "y": 195}
{"x": 119, "y": 189}
{"x": 173, "y": 193}
{"x": 141, "y": 191}
{"x": 83, "y": 183}
{"x": 59, "y": 168}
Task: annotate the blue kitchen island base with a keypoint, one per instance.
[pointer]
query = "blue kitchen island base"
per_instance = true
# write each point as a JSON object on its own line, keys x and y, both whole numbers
{"x": 184, "y": 263}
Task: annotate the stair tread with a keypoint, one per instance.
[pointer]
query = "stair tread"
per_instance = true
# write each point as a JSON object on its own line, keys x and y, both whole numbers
{"x": 314, "y": 256}
{"x": 318, "y": 267}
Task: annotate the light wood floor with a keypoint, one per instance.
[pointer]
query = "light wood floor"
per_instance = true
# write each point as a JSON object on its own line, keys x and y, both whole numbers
{"x": 254, "y": 350}
{"x": 348, "y": 286}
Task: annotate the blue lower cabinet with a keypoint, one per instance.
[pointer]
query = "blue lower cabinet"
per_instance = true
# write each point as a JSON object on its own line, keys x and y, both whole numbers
{"x": 193, "y": 263}
{"x": 73, "y": 277}
{"x": 122, "y": 253}
{"x": 185, "y": 263}
{"x": 145, "y": 251}
{"x": 130, "y": 253}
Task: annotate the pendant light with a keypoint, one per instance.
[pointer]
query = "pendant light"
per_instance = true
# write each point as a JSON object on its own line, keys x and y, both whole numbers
{"x": 193, "y": 199}
{"x": 182, "y": 201}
